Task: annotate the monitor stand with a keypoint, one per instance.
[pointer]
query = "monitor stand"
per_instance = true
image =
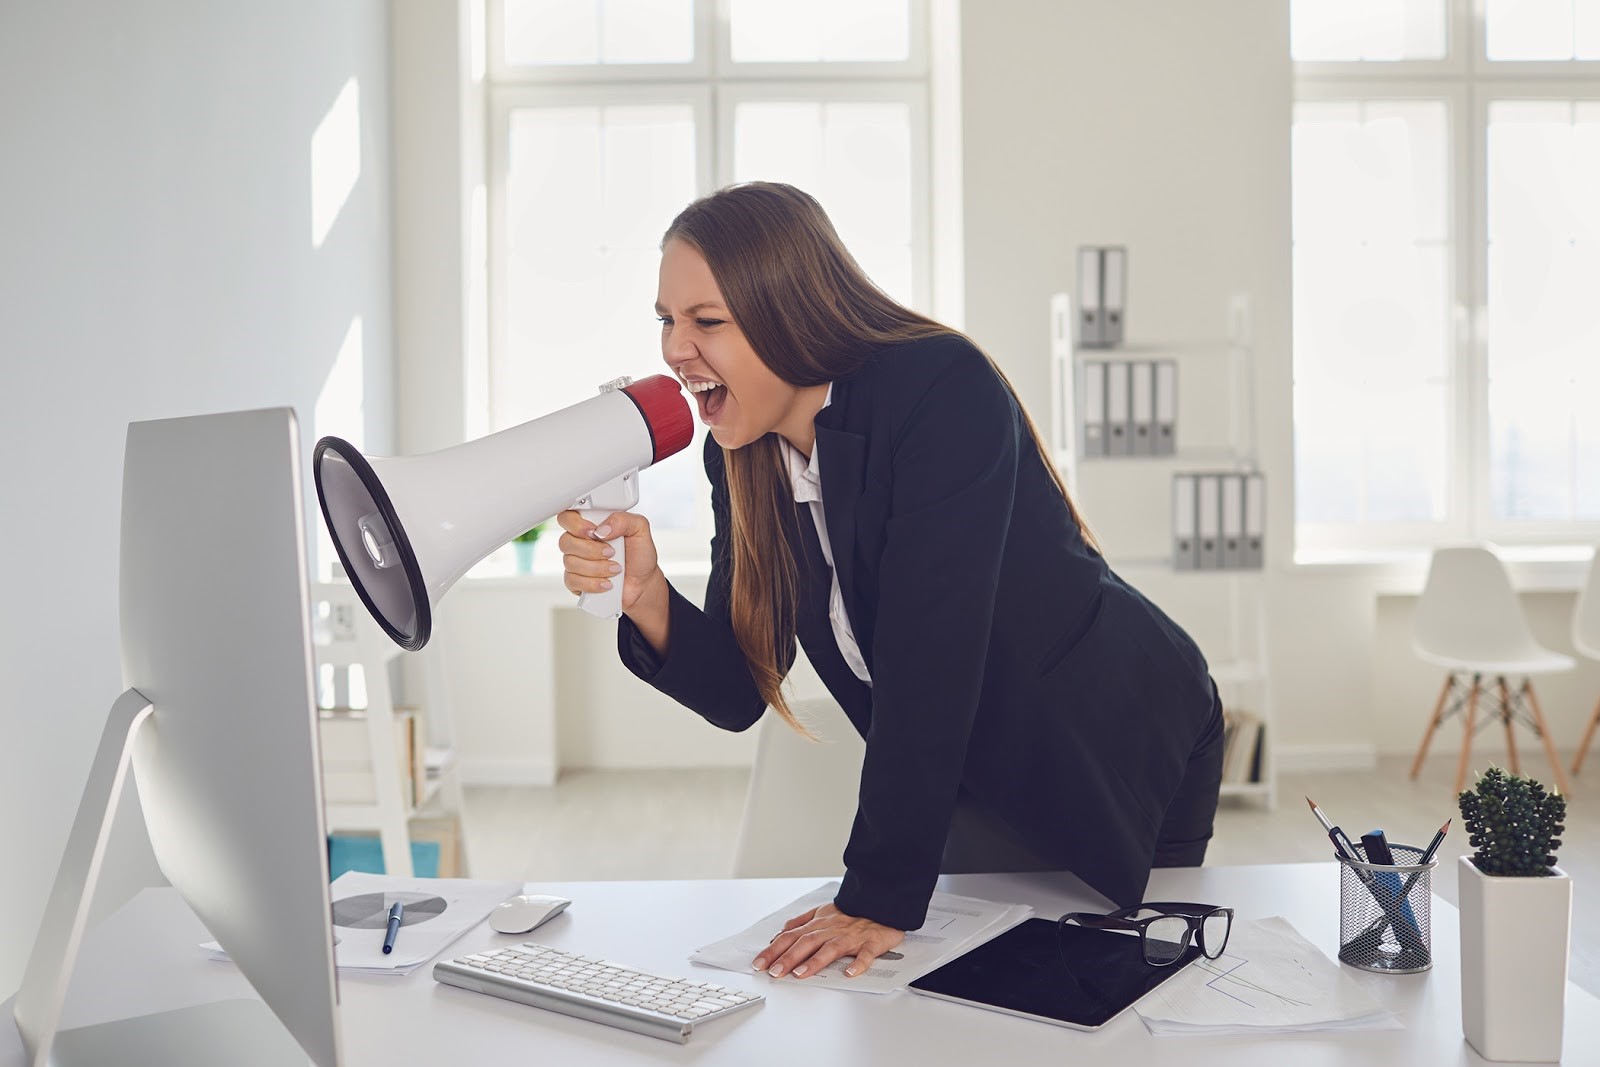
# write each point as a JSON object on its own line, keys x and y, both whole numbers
{"x": 245, "y": 1033}
{"x": 240, "y": 1033}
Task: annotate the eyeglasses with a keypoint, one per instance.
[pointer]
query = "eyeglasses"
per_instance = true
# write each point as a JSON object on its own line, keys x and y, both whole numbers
{"x": 1165, "y": 935}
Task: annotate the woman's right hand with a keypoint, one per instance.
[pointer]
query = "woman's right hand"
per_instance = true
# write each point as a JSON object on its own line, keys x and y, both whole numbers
{"x": 587, "y": 559}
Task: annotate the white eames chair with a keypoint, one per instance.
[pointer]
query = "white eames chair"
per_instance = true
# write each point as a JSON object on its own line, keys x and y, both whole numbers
{"x": 802, "y": 799}
{"x": 1470, "y": 622}
{"x": 1586, "y": 639}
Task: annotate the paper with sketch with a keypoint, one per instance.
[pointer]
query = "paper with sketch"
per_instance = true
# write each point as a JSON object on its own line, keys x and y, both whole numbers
{"x": 1269, "y": 980}
{"x": 437, "y": 911}
{"x": 954, "y": 925}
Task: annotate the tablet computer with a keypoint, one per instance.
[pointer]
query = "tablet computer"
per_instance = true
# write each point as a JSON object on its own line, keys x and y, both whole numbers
{"x": 1023, "y": 972}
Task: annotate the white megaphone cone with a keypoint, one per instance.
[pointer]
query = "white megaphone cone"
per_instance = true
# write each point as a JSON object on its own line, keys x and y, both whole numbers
{"x": 407, "y": 528}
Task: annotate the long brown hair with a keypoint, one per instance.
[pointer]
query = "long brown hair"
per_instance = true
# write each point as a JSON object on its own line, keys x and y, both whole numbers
{"x": 812, "y": 316}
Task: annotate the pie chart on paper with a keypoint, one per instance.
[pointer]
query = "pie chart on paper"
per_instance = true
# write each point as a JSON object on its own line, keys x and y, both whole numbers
{"x": 370, "y": 911}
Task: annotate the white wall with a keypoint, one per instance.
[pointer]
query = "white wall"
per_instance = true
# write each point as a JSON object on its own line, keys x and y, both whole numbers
{"x": 157, "y": 260}
{"x": 438, "y": 105}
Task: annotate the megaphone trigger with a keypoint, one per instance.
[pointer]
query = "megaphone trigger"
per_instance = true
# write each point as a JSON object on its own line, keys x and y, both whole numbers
{"x": 619, "y": 494}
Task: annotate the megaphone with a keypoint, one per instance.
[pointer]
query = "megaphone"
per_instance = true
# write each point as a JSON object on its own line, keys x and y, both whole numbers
{"x": 407, "y": 528}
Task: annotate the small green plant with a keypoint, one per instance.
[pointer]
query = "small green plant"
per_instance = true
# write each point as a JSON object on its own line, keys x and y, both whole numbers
{"x": 1514, "y": 824}
{"x": 530, "y": 536}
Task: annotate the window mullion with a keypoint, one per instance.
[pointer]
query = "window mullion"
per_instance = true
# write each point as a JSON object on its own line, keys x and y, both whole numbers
{"x": 1469, "y": 172}
{"x": 709, "y": 156}
{"x": 721, "y": 39}
{"x": 723, "y": 137}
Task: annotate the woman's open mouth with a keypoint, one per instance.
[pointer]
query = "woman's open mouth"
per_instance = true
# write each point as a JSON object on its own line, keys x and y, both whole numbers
{"x": 710, "y": 396}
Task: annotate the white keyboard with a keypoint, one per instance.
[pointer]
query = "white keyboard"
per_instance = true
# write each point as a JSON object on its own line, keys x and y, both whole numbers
{"x": 594, "y": 989}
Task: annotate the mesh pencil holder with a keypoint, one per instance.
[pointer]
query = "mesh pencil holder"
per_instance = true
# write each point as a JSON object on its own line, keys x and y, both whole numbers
{"x": 1385, "y": 913}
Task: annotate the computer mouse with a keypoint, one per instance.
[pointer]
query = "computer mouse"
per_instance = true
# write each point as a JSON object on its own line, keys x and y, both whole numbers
{"x": 526, "y": 912}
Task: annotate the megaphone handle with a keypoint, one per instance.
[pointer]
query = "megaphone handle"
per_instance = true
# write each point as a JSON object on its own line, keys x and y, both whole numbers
{"x": 606, "y": 605}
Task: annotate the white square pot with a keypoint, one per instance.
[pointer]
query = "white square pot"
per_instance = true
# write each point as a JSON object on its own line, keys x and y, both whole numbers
{"x": 1514, "y": 938}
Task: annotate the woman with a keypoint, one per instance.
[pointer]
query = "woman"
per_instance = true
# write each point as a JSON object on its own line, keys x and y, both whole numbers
{"x": 1023, "y": 708}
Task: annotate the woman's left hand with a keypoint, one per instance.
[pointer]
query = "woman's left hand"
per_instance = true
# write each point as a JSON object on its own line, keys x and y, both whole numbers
{"x": 811, "y": 941}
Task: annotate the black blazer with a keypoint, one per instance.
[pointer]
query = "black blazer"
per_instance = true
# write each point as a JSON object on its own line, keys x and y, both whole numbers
{"x": 1006, "y": 658}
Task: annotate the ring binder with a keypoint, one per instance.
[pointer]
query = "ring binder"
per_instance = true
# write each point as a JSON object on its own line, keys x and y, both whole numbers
{"x": 1255, "y": 520}
{"x": 1184, "y": 557}
{"x": 1142, "y": 390}
{"x": 1208, "y": 524}
{"x": 1232, "y": 521}
{"x": 1166, "y": 408}
{"x": 1113, "y": 288}
{"x": 1118, "y": 411}
{"x": 1094, "y": 408}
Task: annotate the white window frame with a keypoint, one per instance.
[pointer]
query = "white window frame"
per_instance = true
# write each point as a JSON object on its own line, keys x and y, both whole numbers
{"x": 502, "y": 73}
{"x": 913, "y": 67}
{"x": 1517, "y": 69}
{"x": 1374, "y": 536}
{"x": 1459, "y": 43}
{"x": 713, "y": 57}
{"x": 914, "y": 95}
{"x": 713, "y": 85}
{"x": 1485, "y": 93}
{"x": 1467, "y": 83}
{"x": 503, "y": 100}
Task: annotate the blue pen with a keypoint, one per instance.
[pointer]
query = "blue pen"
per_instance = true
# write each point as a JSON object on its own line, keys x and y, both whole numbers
{"x": 396, "y": 914}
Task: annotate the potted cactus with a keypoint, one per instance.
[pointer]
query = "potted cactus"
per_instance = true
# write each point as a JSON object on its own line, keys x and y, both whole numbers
{"x": 1516, "y": 919}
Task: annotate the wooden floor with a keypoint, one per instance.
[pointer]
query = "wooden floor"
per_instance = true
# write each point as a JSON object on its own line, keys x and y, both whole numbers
{"x": 597, "y": 825}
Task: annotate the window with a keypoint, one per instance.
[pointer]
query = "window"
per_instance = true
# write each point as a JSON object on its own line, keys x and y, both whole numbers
{"x": 607, "y": 117}
{"x": 1368, "y": 30}
{"x": 1544, "y": 335}
{"x": 1372, "y": 259}
{"x": 1446, "y": 183}
{"x": 1542, "y": 29}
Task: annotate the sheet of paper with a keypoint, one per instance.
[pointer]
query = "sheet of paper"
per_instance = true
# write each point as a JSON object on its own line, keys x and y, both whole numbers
{"x": 1270, "y": 980}
{"x": 954, "y": 925}
{"x": 437, "y": 911}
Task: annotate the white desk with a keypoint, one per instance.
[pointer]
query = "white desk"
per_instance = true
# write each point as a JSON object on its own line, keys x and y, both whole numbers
{"x": 145, "y": 959}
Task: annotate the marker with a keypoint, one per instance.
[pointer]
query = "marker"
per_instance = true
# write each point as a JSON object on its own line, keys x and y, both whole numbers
{"x": 396, "y": 913}
{"x": 1376, "y": 847}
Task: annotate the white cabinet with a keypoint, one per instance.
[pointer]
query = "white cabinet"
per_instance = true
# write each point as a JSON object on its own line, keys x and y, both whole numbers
{"x": 382, "y": 767}
{"x": 1127, "y": 500}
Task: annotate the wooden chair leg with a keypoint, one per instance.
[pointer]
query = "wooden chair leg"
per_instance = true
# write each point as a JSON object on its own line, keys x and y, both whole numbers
{"x": 1466, "y": 733}
{"x": 1588, "y": 735}
{"x": 1505, "y": 719}
{"x": 1544, "y": 732}
{"x": 1433, "y": 723}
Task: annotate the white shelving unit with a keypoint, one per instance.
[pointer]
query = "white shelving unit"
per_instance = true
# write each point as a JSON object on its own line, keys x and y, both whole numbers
{"x": 345, "y": 635}
{"x": 1238, "y": 658}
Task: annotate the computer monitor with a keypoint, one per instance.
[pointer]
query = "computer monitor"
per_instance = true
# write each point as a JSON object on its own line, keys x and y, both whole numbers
{"x": 220, "y": 722}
